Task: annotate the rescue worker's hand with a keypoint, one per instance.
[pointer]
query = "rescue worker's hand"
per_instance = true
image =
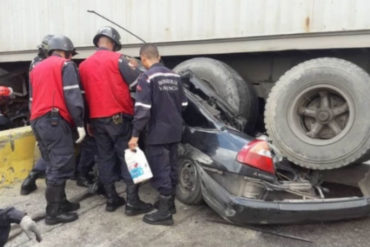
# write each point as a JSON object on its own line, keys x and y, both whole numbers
{"x": 29, "y": 227}
{"x": 81, "y": 134}
{"x": 132, "y": 144}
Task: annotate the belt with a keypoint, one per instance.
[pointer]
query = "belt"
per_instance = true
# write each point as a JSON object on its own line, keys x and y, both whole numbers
{"x": 119, "y": 117}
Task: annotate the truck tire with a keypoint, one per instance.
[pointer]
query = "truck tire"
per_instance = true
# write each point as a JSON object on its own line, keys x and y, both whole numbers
{"x": 318, "y": 113}
{"x": 228, "y": 84}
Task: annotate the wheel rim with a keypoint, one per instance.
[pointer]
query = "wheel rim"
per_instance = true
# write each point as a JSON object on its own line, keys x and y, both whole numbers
{"x": 188, "y": 176}
{"x": 321, "y": 114}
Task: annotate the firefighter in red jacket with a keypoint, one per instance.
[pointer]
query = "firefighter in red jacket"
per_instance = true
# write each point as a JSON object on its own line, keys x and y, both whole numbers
{"x": 57, "y": 107}
{"x": 29, "y": 183}
{"x": 106, "y": 77}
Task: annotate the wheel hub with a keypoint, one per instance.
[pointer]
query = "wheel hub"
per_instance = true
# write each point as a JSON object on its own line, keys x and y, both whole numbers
{"x": 187, "y": 176}
{"x": 324, "y": 116}
{"x": 322, "y": 113}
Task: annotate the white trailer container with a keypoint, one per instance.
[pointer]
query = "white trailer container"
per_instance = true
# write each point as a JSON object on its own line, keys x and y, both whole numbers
{"x": 189, "y": 27}
{"x": 316, "y": 113}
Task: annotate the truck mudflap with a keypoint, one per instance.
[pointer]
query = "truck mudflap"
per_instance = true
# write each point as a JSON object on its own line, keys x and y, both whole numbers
{"x": 241, "y": 210}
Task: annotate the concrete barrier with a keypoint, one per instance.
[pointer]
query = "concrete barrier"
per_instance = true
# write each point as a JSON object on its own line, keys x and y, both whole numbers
{"x": 17, "y": 154}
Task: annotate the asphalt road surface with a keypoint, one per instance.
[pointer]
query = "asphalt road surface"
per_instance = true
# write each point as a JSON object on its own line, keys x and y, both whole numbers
{"x": 194, "y": 226}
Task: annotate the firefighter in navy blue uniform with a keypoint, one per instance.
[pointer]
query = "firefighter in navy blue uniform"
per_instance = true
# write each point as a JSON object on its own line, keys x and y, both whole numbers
{"x": 56, "y": 107}
{"x": 42, "y": 51}
{"x": 12, "y": 215}
{"x": 160, "y": 99}
{"x": 29, "y": 183}
{"x": 88, "y": 145}
{"x": 106, "y": 76}
{"x": 6, "y": 94}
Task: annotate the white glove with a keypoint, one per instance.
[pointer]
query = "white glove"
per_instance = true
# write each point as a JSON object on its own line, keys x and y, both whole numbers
{"x": 29, "y": 227}
{"x": 81, "y": 134}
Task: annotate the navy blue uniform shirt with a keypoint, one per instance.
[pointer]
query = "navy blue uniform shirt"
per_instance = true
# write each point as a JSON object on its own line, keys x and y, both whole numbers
{"x": 8, "y": 216}
{"x": 160, "y": 99}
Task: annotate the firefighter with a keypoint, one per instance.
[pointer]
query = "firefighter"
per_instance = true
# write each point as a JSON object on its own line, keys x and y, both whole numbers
{"x": 106, "y": 76}
{"x": 12, "y": 215}
{"x": 6, "y": 94}
{"x": 29, "y": 184}
{"x": 56, "y": 107}
{"x": 42, "y": 51}
{"x": 160, "y": 100}
{"x": 88, "y": 146}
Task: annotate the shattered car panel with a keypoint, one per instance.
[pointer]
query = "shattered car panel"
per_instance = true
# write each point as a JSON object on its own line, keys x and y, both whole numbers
{"x": 243, "y": 194}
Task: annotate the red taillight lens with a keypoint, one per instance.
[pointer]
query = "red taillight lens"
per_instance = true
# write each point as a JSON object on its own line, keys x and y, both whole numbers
{"x": 257, "y": 154}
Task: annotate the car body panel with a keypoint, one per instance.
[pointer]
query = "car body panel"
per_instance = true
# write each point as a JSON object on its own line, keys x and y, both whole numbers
{"x": 241, "y": 210}
{"x": 214, "y": 148}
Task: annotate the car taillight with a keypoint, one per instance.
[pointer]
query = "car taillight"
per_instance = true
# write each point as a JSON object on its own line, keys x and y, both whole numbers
{"x": 257, "y": 154}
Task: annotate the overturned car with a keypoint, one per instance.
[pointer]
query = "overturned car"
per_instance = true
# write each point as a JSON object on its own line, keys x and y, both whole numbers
{"x": 244, "y": 178}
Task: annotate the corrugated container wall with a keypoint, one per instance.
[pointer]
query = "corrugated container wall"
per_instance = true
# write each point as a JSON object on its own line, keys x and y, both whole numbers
{"x": 23, "y": 23}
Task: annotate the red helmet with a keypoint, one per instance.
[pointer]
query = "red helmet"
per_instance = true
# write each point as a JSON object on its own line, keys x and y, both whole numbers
{"x": 6, "y": 91}
{"x": 6, "y": 94}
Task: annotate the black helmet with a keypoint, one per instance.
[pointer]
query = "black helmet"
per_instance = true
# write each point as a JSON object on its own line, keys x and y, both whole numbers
{"x": 111, "y": 33}
{"x": 43, "y": 47}
{"x": 61, "y": 42}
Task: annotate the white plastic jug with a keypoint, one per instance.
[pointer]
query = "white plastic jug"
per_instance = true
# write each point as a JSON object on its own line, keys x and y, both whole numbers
{"x": 137, "y": 165}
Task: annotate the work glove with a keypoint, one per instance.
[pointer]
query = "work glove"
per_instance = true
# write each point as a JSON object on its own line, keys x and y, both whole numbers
{"x": 29, "y": 227}
{"x": 81, "y": 134}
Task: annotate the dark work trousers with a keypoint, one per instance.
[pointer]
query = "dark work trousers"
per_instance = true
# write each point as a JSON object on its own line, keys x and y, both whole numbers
{"x": 112, "y": 140}
{"x": 163, "y": 162}
{"x": 88, "y": 151}
{"x": 4, "y": 122}
{"x": 56, "y": 146}
{"x": 4, "y": 232}
{"x": 40, "y": 166}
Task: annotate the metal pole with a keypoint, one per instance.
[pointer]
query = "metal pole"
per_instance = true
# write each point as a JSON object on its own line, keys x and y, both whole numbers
{"x": 125, "y": 29}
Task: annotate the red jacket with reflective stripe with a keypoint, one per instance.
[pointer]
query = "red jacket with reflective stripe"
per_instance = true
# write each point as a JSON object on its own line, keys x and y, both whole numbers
{"x": 47, "y": 88}
{"x": 106, "y": 91}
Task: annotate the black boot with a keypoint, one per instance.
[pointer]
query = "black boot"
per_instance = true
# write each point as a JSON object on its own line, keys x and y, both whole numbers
{"x": 29, "y": 184}
{"x": 172, "y": 206}
{"x": 162, "y": 216}
{"x": 134, "y": 205}
{"x": 96, "y": 188}
{"x": 83, "y": 181}
{"x": 113, "y": 200}
{"x": 55, "y": 198}
{"x": 68, "y": 206}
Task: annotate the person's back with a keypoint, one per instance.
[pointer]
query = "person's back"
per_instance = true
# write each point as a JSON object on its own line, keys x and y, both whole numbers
{"x": 160, "y": 99}
{"x": 106, "y": 91}
{"x": 56, "y": 109}
{"x": 106, "y": 76}
{"x": 29, "y": 183}
{"x": 46, "y": 79}
{"x": 165, "y": 124}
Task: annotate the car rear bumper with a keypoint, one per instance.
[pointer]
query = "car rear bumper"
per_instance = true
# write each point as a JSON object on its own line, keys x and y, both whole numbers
{"x": 241, "y": 210}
